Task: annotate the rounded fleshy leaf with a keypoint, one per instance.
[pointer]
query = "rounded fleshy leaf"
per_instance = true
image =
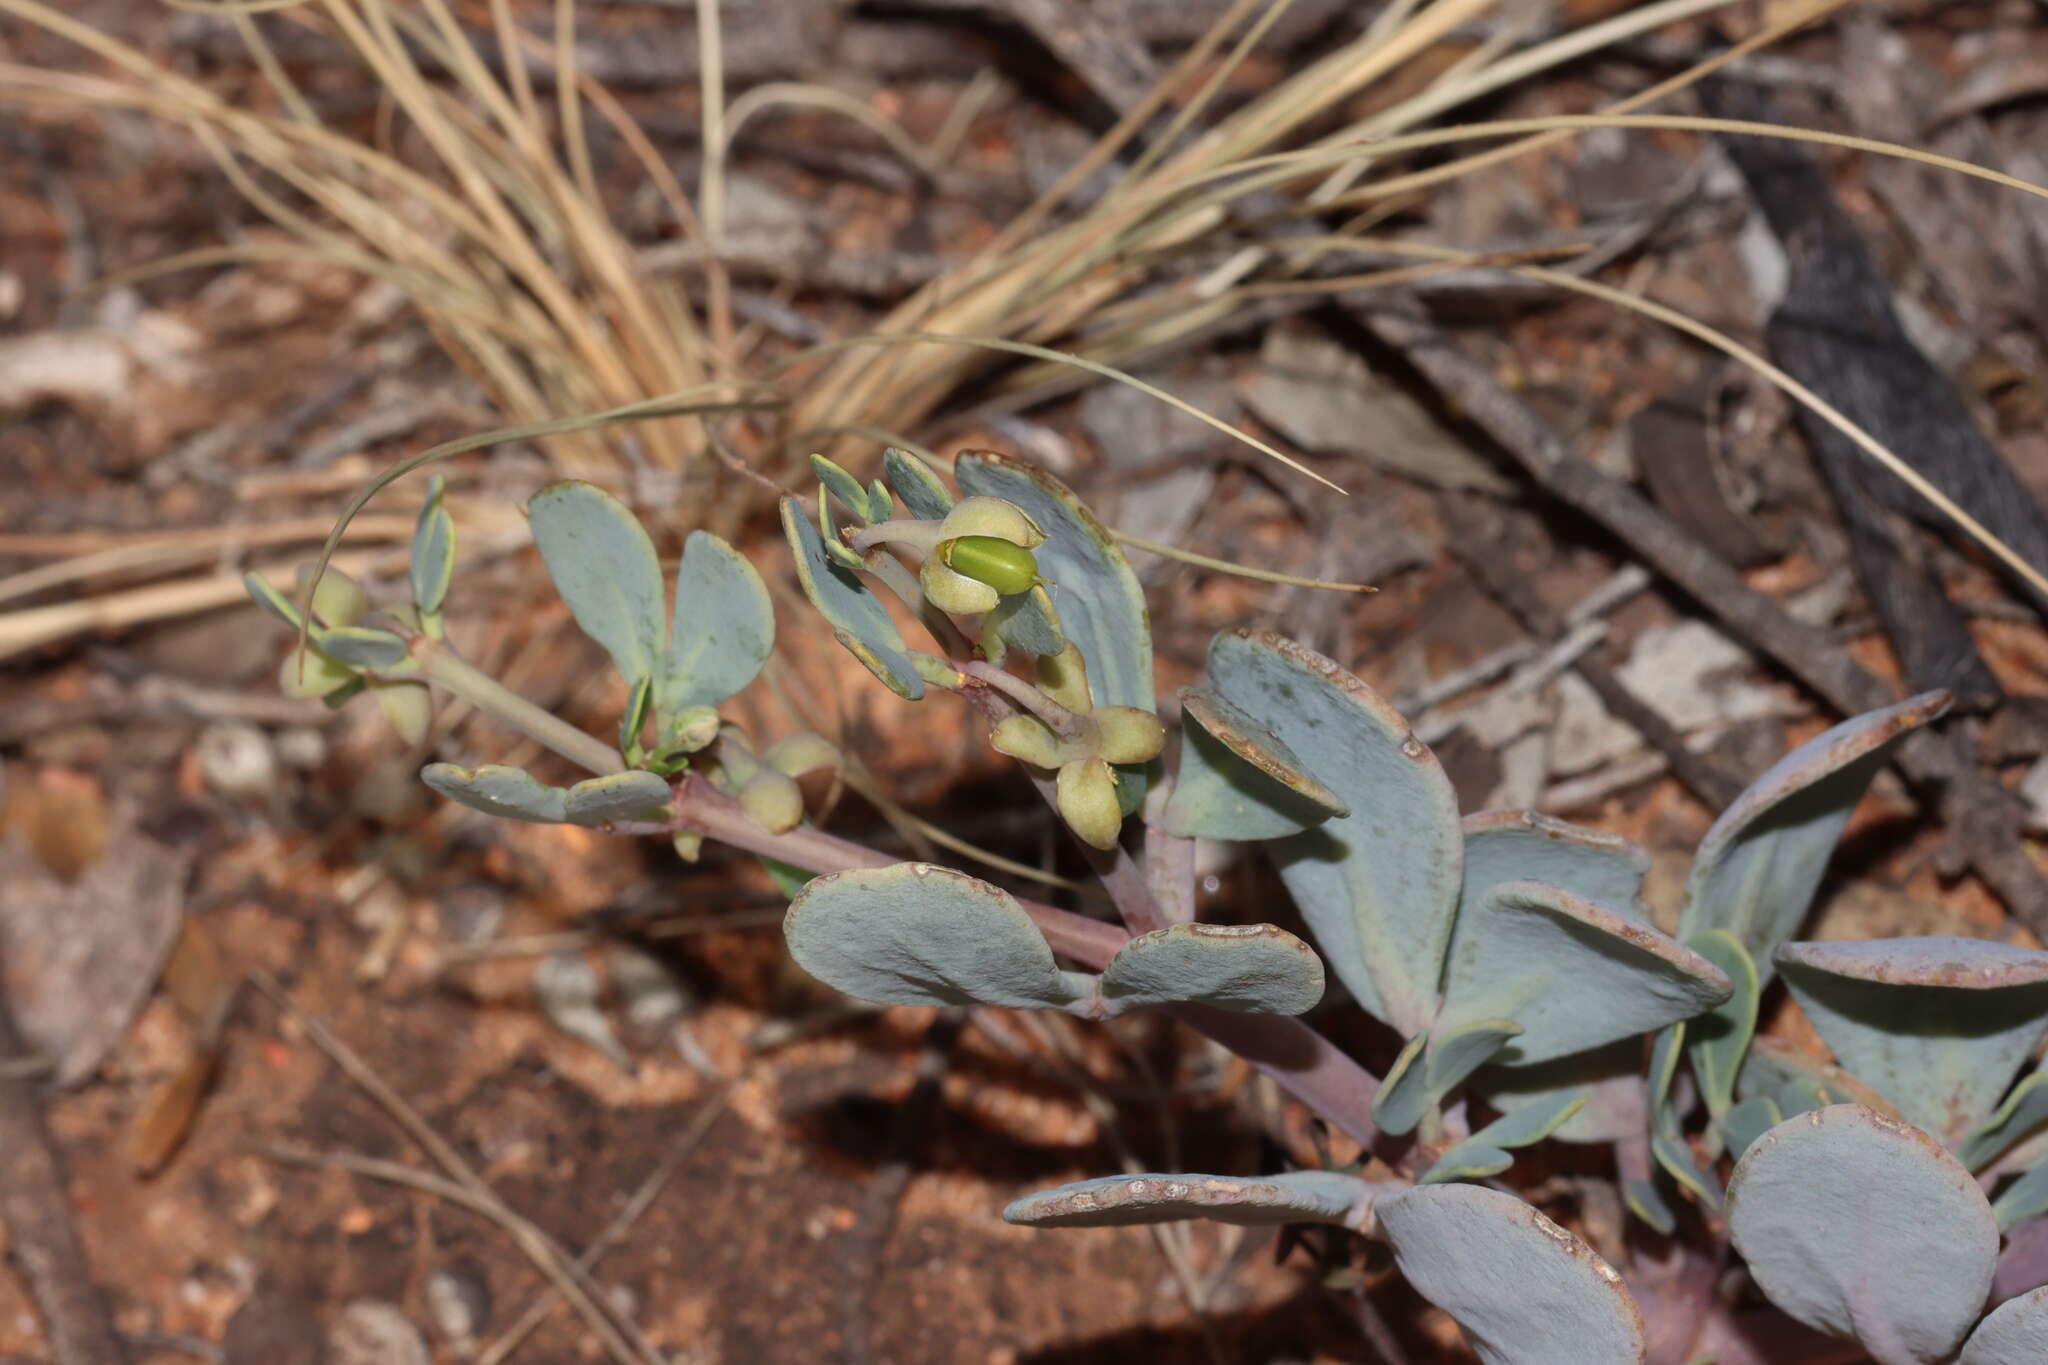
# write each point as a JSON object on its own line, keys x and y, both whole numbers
{"x": 361, "y": 646}
{"x": 1525, "y": 1291}
{"x": 1246, "y": 967}
{"x": 1938, "y": 1025}
{"x": 2015, "y": 1333}
{"x": 1101, "y": 608}
{"x": 1256, "y": 1201}
{"x": 617, "y": 796}
{"x": 1572, "y": 973}
{"x": 916, "y": 934}
{"x": 433, "y": 550}
{"x": 508, "y": 793}
{"x": 1457, "y": 1054}
{"x": 1379, "y": 885}
{"x": 1526, "y": 845}
{"x": 1238, "y": 780}
{"x": 859, "y": 620}
{"x": 1128, "y": 735}
{"x": 2023, "y": 1112}
{"x": 1758, "y": 866}
{"x": 1866, "y": 1228}
{"x": 605, "y": 567}
{"x": 922, "y": 491}
{"x": 1398, "y": 1104}
{"x": 1718, "y": 1039}
{"x": 722, "y": 631}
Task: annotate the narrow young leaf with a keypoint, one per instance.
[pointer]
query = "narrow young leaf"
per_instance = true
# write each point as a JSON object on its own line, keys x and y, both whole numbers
{"x": 1468, "y": 1160}
{"x": 1259, "y": 1201}
{"x": 1719, "y": 1038}
{"x": 916, "y": 934}
{"x": 509, "y": 793}
{"x": 844, "y": 488}
{"x": 605, "y": 567}
{"x": 1611, "y": 1077}
{"x": 361, "y": 646}
{"x": 266, "y": 596}
{"x": 1676, "y": 1158}
{"x": 1643, "y": 1199}
{"x": 1458, "y": 1053}
{"x": 433, "y": 550}
{"x": 2024, "y": 1112}
{"x": 1244, "y": 967}
{"x": 1865, "y": 1228}
{"x": 859, "y": 620}
{"x": 2025, "y": 1198}
{"x": 1398, "y": 1104}
{"x": 1744, "y": 1123}
{"x": 1758, "y": 866}
{"x": 1525, "y": 1291}
{"x": 722, "y": 631}
{"x": 926, "y": 497}
{"x": 1532, "y": 1123}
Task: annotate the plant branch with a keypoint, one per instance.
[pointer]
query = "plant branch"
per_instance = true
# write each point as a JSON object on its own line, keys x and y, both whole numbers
{"x": 442, "y": 666}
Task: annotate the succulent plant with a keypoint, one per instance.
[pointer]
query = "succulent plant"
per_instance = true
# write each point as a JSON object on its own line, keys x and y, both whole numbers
{"x": 1530, "y": 995}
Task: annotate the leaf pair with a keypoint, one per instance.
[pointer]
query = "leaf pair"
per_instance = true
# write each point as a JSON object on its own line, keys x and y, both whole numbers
{"x": 916, "y": 934}
{"x": 515, "y": 794}
{"x": 605, "y": 566}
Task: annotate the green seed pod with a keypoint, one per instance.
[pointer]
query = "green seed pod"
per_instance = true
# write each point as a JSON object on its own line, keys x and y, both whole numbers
{"x": 1003, "y": 566}
{"x": 986, "y": 516}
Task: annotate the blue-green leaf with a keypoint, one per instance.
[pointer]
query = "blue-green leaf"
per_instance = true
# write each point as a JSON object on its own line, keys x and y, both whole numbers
{"x": 1774, "y": 1069}
{"x": 1525, "y": 1291}
{"x": 1245, "y": 967}
{"x": 1572, "y": 973}
{"x": 1100, "y": 606}
{"x": 1525, "y": 845}
{"x": 603, "y": 800}
{"x": 1865, "y": 1228}
{"x": 1238, "y": 780}
{"x": 1532, "y": 1123}
{"x": 1163, "y": 1197}
{"x": 1744, "y": 1123}
{"x": 723, "y": 629}
{"x": 1676, "y": 1158}
{"x": 859, "y": 620}
{"x": 1398, "y": 1104}
{"x": 1720, "y": 1037}
{"x": 2025, "y": 1198}
{"x": 927, "y": 498}
{"x": 1938, "y": 1025}
{"x": 433, "y": 550}
{"x": 845, "y": 489}
{"x": 1647, "y": 1202}
{"x": 606, "y": 569}
{"x": 2024, "y": 1112}
{"x": 1757, "y": 868}
{"x": 2013, "y": 1333}
{"x": 1026, "y": 620}
{"x": 266, "y": 596}
{"x": 509, "y": 793}
{"x": 1378, "y": 885}
{"x": 1457, "y": 1054}
{"x": 361, "y": 646}
{"x": 916, "y": 934}
{"x": 1468, "y": 1160}
{"x": 1611, "y": 1077}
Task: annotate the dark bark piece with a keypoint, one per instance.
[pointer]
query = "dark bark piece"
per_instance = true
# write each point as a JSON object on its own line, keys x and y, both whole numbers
{"x": 1984, "y": 821}
{"x": 1837, "y": 332}
{"x": 1674, "y": 447}
{"x": 42, "y": 1240}
{"x": 1096, "y": 42}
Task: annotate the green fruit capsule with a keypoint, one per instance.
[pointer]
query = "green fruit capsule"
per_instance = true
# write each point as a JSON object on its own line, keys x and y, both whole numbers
{"x": 1006, "y": 567}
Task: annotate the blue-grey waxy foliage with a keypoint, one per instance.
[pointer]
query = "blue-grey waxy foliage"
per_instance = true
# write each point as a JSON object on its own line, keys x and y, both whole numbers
{"x": 1525, "y": 1291}
{"x": 2014, "y": 1333}
{"x": 1864, "y": 1227}
{"x": 1121, "y": 1200}
{"x": 858, "y": 619}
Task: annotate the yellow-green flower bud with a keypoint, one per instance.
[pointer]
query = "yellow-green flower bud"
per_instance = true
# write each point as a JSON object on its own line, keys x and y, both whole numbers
{"x": 688, "y": 844}
{"x": 339, "y": 600}
{"x": 1129, "y": 735}
{"x": 800, "y": 753}
{"x": 985, "y": 516}
{"x": 407, "y": 706}
{"x": 1004, "y": 566}
{"x": 1087, "y": 802}
{"x": 1064, "y": 678}
{"x": 1030, "y": 739}
{"x": 772, "y": 801}
{"x": 319, "y": 675}
{"x": 955, "y": 593}
{"x": 691, "y": 729}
